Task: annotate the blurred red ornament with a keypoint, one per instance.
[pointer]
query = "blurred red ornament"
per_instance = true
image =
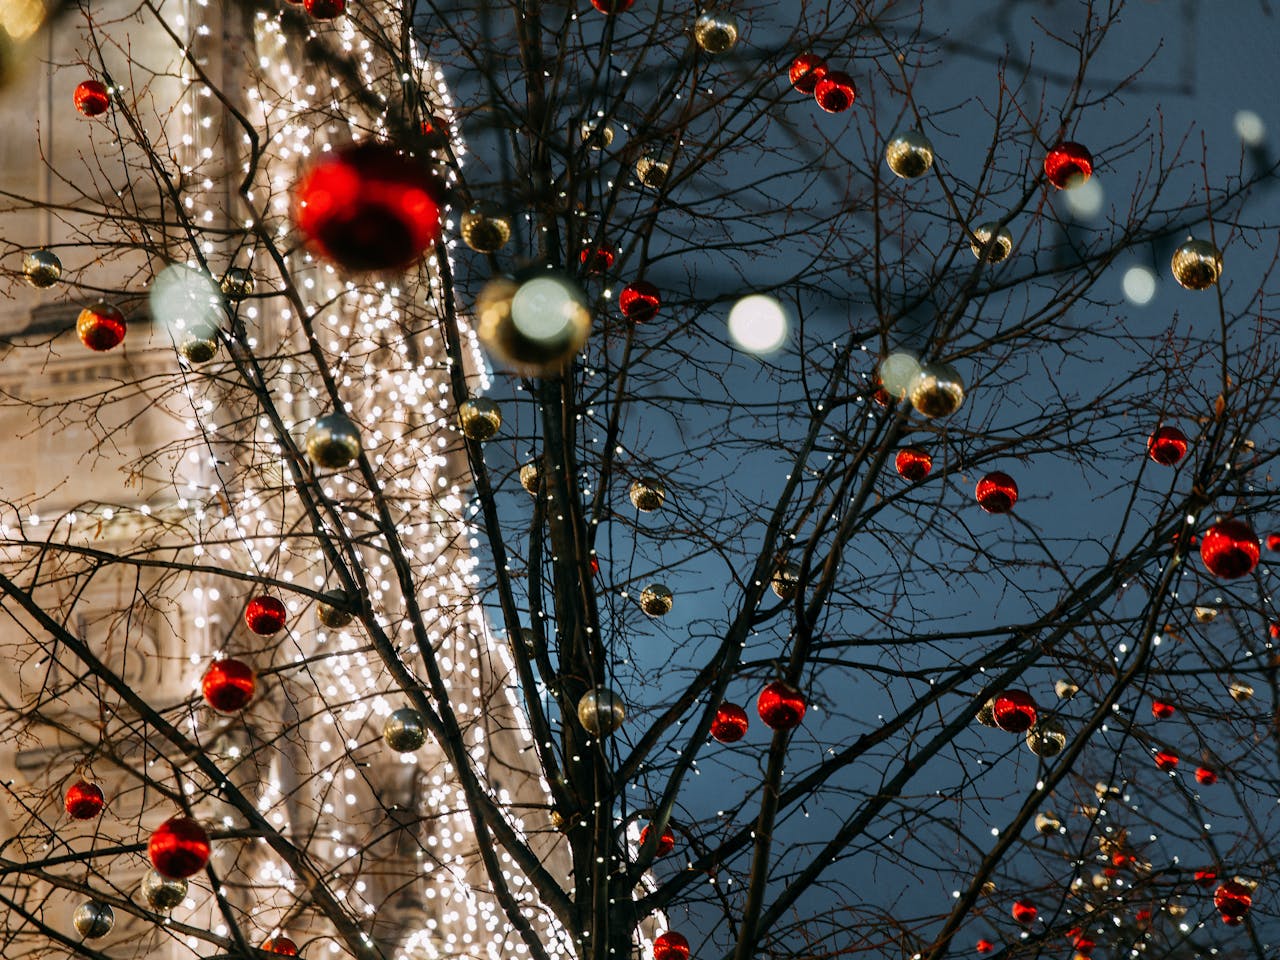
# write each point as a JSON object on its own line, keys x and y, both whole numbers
{"x": 1206, "y": 878}
{"x": 1167, "y": 446}
{"x": 435, "y": 131}
{"x": 781, "y": 706}
{"x": 100, "y": 327}
{"x": 597, "y": 260}
{"x": 1142, "y": 918}
{"x": 1068, "y": 165}
{"x": 1230, "y": 549}
{"x": 595, "y": 564}
{"x": 1014, "y": 711}
{"x": 265, "y": 616}
{"x": 84, "y": 800}
{"x": 913, "y": 464}
{"x": 996, "y": 492}
{"x": 368, "y": 207}
{"x": 228, "y": 685}
{"x": 670, "y": 946}
{"x": 806, "y": 70}
{"x": 639, "y": 301}
{"x": 1162, "y": 709}
{"x": 612, "y": 6}
{"x": 1206, "y": 776}
{"x": 1082, "y": 942}
{"x": 666, "y": 842}
{"x": 92, "y": 98}
{"x": 1274, "y": 630}
{"x": 281, "y": 947}
{"x": 1025, "y": 912}
{"x": 1166, "y": 760}
{"x": 326, "y": 9}
{"x": 1233, "y": 900}
{"x": 178, "y": 848}
{"x": 984, "y": 946}
{"x": 730, "y": 723}
{"x": 1273, "y": 541}
{"x": 834, "y": 91}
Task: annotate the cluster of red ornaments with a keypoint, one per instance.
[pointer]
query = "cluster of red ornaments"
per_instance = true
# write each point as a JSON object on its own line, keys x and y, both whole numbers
{"x": 832, "y": 90}
{"x": 1167, "y": 759}
{"x": 781, "y": 706}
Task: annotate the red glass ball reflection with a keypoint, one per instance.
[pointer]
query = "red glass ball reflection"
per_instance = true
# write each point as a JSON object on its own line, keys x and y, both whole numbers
{"x": 368, "y": 207}
{"x": 178, "y": 848}
{"x": 639, "y": 301}
{"x": 996, "y": 492}
{"x": 835, "y": 92}
{"x": 730, "y": 723}
{"x": 100, "y": 327}
{"x": 1230, "y": 549}
{"x": 92, "y": 98}
{"x": 1206, "y": 878}
{"x": 84, "y": 800}
{"x": 265, "y": 616}
{"x": 1273, "y": 542}
{"x": 984, "y": 946}
{"x": 806, "y": 70}
{"x": 1233, "y": 900}
{"x": 325, "y": 9}
{"x": 596, "y": 260}
{"x": 281, "y": 947}
{"x": 1068, "y": 165}
{"x": 1014, "y": 711}
{"x": 228, "y": 685}
{"x": 1083, "y": 943}
{"x": 1167, "y": 446}
{"x": 1162, "y": 709}
{"x": 1025, "y": 912}
{"x": 913, "y": 464}
{"x": 666, "y": 842}
{"x": 781, "y": 706}
{"x": 1165, "y": 760}
{"x": 1206, "y": 776}
{"x": 670, "y": 946}
{"x": 612, "y": 6}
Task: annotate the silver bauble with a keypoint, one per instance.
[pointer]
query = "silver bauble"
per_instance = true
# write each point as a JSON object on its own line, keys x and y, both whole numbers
{"x": 909, "y": 154}
{"x": 536, "y": 326}
{"x": 652, "y": 170}
{"x": 1047, "y": 738}
{"x": 601, "y": 712}
{"x": 1197, "y": 264}
{"x": 716, "y": 32}
{"x": 937, "y": 390}
{"x": 786, "y": 580}
{"x": 1000, "y": 248}
{"x": 334, "y": 614}
{"x": 480, "y": 417}
{"x": 656, "y": 600}
{"x": 237, "y": 284}
{"x": 405, "y": 730}
{"x": 93, "y": 919}
{"x": 42, "y": 268}
{"x": 161, "y": 893}
{"x": 647, "y": 494}
{"x": 597, "y": 134}
{"x": 333, "y": 441}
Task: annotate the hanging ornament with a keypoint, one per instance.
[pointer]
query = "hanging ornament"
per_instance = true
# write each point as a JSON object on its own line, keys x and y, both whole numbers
{"x": 1047, "y": 738}
{"x": 1166, "y": 446}
{"x": 984, "y": 946}
{"x": 1206, "y": 776}
{"x": 265, "y": 615}
{"x": 1014, "y": 711}
{"x": 729, "y": 725}
{"x": 1233, "y": 900}
{"x": 1273, "y": 542}
{"x": 480, "y": 418}
{"x": 1025, "y": 912}
{"x": 995, "y": 251}
{"x": 1047, "y": 823}
{"x": 652, "y": 170}
{"x": 806, "y": 70}
{"x": 42, "y": 268}
{"x": 1240, "y": 691}
{"x": 1068, "y": 165}
{"x": 656, "y": 600}
{"x": 639, "y": 301}
{"x": 781, "y": 706}
{"x": 93, "y": 919}
{"x": 334, "y": 611}
{"x": 716, "y": 32}
{"x": 92, "y": 98}
{"x": 597, "y": 133}
{"x": 1197, "y": 264}
{"x": 986, "y": 714}
{"x": 1230, "y": 549}
{"x": 368, "y": 207}
{"x": 100, "y": 326}
{"x": 597, "y": 260}
{"x": 228, "y": 685}
{"x": 1065, "y": 689}
{"x": 333, "y": 441}
{"x": 913, "y": 464}
{"x": 835, "y": 92}
{"x": 996, "y": 492}
{"x": 199, "y": 345}
{"x": 909, "y": 154}
{"x": 647, "y": 494}
{"x": 1166, "y": 760}
{"x": 161, "y": 893}
{"x": 536, "y": 326}
{"x": 601, "y": 712}
{"x": 670, "y": 946}
{"x": 325, "y": 9}
{"x": 530, "y": 477}
{"x": 178, "y": 848}
{"x": 666, "y": 841}
{"x": 84, "y": 800}
{"x": 238, "y": 284}
{"x": 937, "y": 390}
{"x": 1162, "y": 709}
{"x": 405, "y": 730}
{"x": 485, "y": 230}
{"x": 281, "y": 947}
{"x": 786, "y": 580}
{"x": 612, "y": 6}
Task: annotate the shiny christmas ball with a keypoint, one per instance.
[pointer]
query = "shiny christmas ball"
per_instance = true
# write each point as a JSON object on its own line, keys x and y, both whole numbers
{"x": 647, "y": 494}
{"x": 781, "y": 706}
{"x": 480, "y": 417}
{"x": 937, "y": 390}
{"x": 656, "y": 600}
{"x": 228, "y": 685}
{"x": 265, "y": 615}
{"x": 1233, "y": 900}
{"x": 597, "y": 259}
{"x": 652, "y": 170}
{"x": 984, "y": 946}
{"x": 596, "y": 134}
{"x": 1197, "y": 264}
{"x": 84, "y": 800}
{"x": 178, "y": 848}
{"x": 333, "y": 441}
{"x": 612, "y": 6}
{"x": 986, "y": 714}
{"x": 1206, "y": 776}
{"x": 639, "y": 301}
{"x": 666, "y": 841}
{"x": 909, "y": 154}
{"x": 100, "y": 327}
{"x": 92, "y": 98}
{"x": 1047, "y": 823}
{"x": 1068, "y": 165}
{"x": 806, "y": 70}
{"x": 334, "y": 612}
{"x": 536, "y": 326}
{"x": 601, "y": 712}
{"x": 161, "y": 893}
{"x": 238, "y": 284}
{"x": 1230, "y": 549}
{"x": 786, "y": 580}
{"x": 42, "y": 268}
{"x": 199, "y": 345}
{"x": 1014, "y": 711}
{"x": 1166, "y": 446}
{"x": 1047, "y": 738}
{"x": 729, "y": 725}
{"x": 93, "y": 919}
{"x": 670, "y": 946}
{"x": 405, "y": 730}
{"x": 835, "y": 92}
{"x": 913, "y": 464}
{"x": 716, "y": 32}
{"x": 999, "y": 249}
{"x": 368, "y": 207}
{"x": 1166, "y": 760}
{"x": 281, "y": 947}
{"x": 1025, "y": 912}
{"x": 1273, "y": 542}
{"x": 530, "y": 477}
{"x": 485, "y": 230}
{"x": 1162, "y": 709}
{"x": 1065, "y": 689}
{"x": 1240, "y": 691}
{"x": 325, "y": 9}
{"x": 996, "y": 492}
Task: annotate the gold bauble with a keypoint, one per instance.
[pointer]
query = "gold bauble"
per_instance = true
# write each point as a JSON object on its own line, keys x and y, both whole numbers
{"x": 597, "y": 134}
{"x": 199, "y": 345}
{"x": 716, "y": 32}
{"x": 162, "y": 893}
{"x": 1047, "y": 823}
{"x": 536, "y": 326}
{"x": 652, "y": 170}
{"x": 530, "y": 477}
{"x": 1205, "y": 614}
{"x": 786, "y": 580}
{"x": 405, "y": 730}
{"x": 1000, "y": 248}
{"x": 333, "y": 441}
{"x": 237, "y": 284}
{"x": 1065, "y": 689}
{"x": 1105, "y": 791}
{"x": 93, "y": 919}
{"x": 601, "y": 712}
{"x": 1240, "y": 691}
{"x": 1176, "y": 910}
{"x": 42, "y": 268}
{"x": 909, "y": 154}
{"x": 480, "y": 418}
{"x": 485, "y": 230}
{"x": 1047, "y": 738}
{"x": 937, "y": 390}
{"x": 986, "y": 714}
{"x": 333, "y": 612}
{"x": 656, "y": 600}
{"x": 1101, "y": 881}
{"x": 647, "y": 494}
{"x": 1197, "y": 264}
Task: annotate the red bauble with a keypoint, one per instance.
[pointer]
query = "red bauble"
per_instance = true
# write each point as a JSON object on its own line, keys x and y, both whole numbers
{"x": 806, "y": 70}
{"x": 639, "y": 301}
{"x": 996, "y": 492}
{"x": 666, "y": 842}
{"x": 228, "y": 685}
{"x": 1068, "y": 165}
{"x": 84, "y": 800}
{"x": 781, "y": 706}
{"x": 598, "y": 259}
{"x": 281, "y": 947}
{"x": 1025, "y": 912}
{"x": 835, "y": 92}
{"x": 326, "y": 9}
{"x": 984, "y": 946}
{"x": 1166, "y": 760}
{"x": 730, "y": 723}
{"x": 670, "y": 946}
{"x": 1014, "y": 711}
{"x": 368, "y": 207}
{"x": 1233, "y": 900}
{"x": 1167, "y": 446}
{"x": 913, "y": 464}
{"x": 1206, "y": 776}
{"x": 1082, "y": 942}
{"x": 1162, "y": 709}
{"x": 178, "y": 848}
{"x": 265, "y": 616}
{"x": 92, "y": 98}
{"x": 1206, "y": 878}
{"x": 1273, "y": 542}
{"x": 100, "y": 327}
{"x": 1230, "y": 549}
{"x": 612, "y": 6}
